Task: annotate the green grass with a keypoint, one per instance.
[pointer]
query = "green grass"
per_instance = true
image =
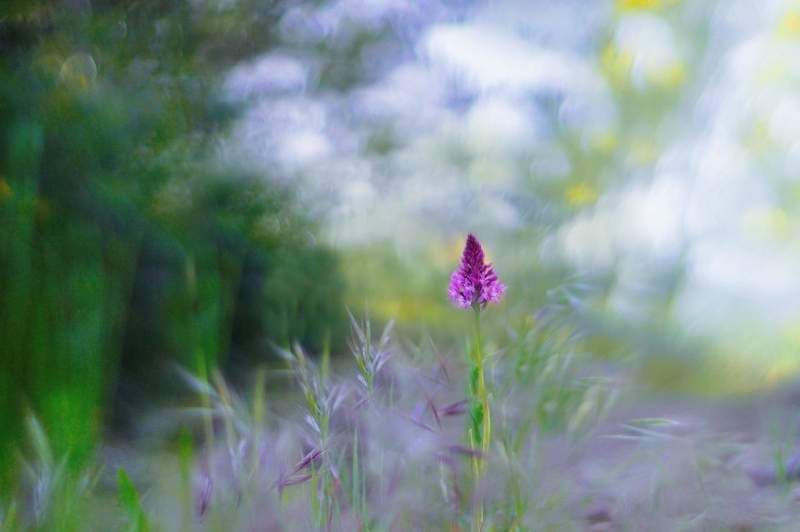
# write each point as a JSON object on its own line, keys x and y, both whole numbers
{"x": 380, "y": 443}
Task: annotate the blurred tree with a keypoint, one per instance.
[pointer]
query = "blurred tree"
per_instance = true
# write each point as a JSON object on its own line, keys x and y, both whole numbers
{"x": 119, "y": 249}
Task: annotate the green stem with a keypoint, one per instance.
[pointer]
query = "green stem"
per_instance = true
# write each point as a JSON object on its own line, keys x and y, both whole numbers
{"x": 486, "y": 429}
{"x": 480, "y": 471}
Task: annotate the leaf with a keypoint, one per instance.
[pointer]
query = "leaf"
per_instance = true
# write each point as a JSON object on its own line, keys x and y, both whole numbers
{"x": 652, "y": 421}
{"x": 40, "y": 442}
{"x": 129, "y": 501}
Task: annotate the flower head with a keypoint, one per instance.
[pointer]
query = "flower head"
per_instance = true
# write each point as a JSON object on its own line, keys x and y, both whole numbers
{"x": 474, "y": 284}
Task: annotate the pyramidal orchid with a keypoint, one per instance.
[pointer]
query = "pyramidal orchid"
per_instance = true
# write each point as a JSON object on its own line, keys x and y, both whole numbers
{"x": 474, "y": 284}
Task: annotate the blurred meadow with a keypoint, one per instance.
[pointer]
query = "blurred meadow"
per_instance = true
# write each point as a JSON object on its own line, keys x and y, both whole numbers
{"x": 227, "y": 229}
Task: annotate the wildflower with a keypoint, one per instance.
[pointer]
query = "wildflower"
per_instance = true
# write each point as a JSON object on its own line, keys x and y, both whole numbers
{"x": 474, "y": 284}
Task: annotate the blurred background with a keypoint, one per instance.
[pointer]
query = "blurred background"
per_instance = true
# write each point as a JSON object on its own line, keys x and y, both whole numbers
{"x": 194, "y": 181}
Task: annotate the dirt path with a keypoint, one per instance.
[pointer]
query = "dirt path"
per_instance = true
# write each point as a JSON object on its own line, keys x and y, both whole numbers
{"x": 707, "y": 465}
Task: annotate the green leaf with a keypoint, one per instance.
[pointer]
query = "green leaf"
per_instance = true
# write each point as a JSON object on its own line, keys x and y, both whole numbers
{"x": 652, "y": 421}
{"x": 129, "y": 501}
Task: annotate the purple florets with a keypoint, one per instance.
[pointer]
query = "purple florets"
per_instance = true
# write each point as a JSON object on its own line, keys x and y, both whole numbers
{"x": 474, "y": 284}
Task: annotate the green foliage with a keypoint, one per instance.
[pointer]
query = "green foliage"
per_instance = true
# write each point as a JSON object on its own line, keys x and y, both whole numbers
{"x": 106, "y": 118}
{"x": 475, "y": 405}
{"x": 543, "y": 363}
{"x": 130, "y": 504}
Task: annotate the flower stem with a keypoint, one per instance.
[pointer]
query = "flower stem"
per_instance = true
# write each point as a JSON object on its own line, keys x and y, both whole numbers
{"x": 485, "y": 427}
{"x": 486, "y": 430}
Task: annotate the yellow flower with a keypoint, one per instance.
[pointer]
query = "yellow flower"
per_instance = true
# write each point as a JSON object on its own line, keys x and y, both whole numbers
{"x": 579, "y": 195}
{"x": 633, "y": 5}
{"x": 789, "y": 25}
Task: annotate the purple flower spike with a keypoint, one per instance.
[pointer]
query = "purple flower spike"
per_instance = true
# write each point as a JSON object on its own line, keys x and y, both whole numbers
{"x": 474, "y": 284}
